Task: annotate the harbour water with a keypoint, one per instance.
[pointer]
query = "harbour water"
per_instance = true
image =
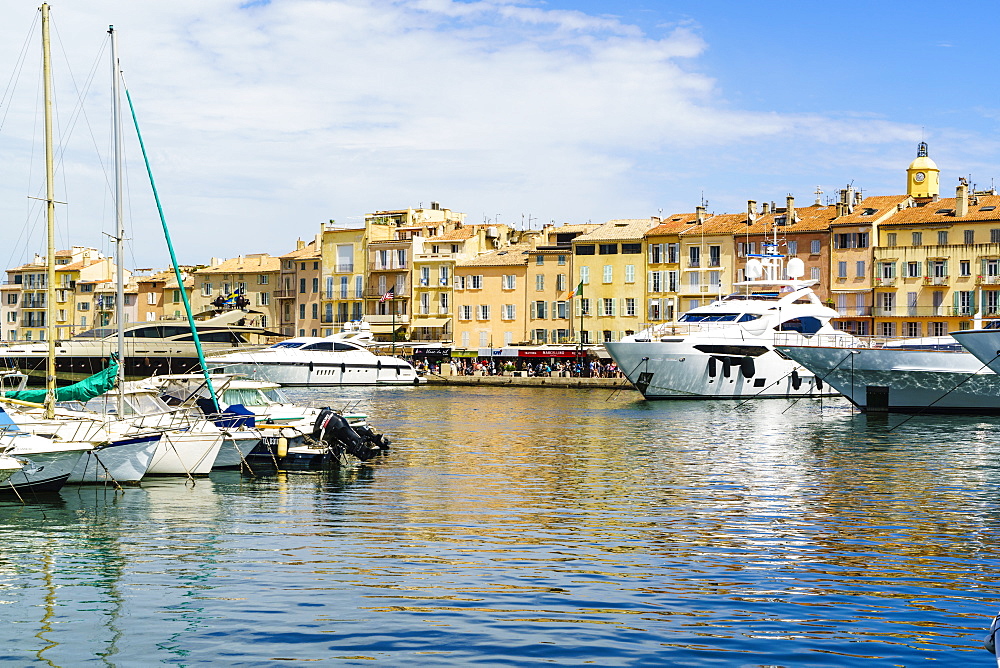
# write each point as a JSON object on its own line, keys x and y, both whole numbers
{"x": 524, "y": 526}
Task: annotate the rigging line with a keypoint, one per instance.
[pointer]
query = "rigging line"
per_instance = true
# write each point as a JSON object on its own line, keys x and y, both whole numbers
{"x": 15, "y": 75}
{"x": 967, "y": 378}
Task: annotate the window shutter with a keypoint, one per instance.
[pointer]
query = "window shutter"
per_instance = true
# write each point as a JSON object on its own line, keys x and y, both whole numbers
{"x": 649, "y": 281}
{"x": 577, "y": 307}
{"x": 614, "y": 310}
{"x": 946, "y": 268}
{"x": 955, "y": 296}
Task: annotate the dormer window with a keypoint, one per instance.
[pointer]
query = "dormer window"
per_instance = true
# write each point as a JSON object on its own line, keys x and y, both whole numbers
{"x": 868, "y": 212}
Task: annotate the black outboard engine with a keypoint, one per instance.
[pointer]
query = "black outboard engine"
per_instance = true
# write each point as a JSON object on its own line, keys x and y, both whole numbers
{"x": 332, "y": 428}
{"x": 372, "y": 437}
{"x": 991, "y": 640}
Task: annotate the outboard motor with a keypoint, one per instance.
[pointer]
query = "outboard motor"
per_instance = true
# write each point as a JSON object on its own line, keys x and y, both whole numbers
{"x": 332, "y": 428}
{"x": 991, "y": 640}
{"x": 372, "y": 437}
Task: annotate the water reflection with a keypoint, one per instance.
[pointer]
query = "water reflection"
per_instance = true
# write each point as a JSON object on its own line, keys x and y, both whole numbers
{"x": 536, "y": 526}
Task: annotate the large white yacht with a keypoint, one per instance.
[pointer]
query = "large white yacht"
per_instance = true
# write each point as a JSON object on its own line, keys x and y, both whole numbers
{"x": 931, "y": 374}
{"x": 984, "y": 343}
{"x": 725, "y": 350}
{"x": 340, "y": 359}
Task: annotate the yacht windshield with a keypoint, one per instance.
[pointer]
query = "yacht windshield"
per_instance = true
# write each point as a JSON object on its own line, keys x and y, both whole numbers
{"x": 246, "y": 396}
{"x": 289, "y": 344}
{"x": 276, "y": 395}
{"x": 719, "y": 317}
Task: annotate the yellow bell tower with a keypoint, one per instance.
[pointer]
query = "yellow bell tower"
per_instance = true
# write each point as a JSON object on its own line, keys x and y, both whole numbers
{"x": 923, "y": 176}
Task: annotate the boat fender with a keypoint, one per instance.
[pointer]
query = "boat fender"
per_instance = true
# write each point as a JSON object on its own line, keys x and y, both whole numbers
{"x": 711, "y": 366}
{"x": 310, "y": 367}
{"x": 343, "y": 368}
{"x": 726, "y": 365}
{"x": 747, "y": 367}
{"x": 378, "y": 365}
{"x": 416, "y": 381}
{"x": 282, "y": 447}
{"x": 819, "y": 383}
{"x": 796, "y": 379}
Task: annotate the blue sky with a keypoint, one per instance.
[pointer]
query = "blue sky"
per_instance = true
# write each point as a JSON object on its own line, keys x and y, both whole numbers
{"x": 266, "y": 119}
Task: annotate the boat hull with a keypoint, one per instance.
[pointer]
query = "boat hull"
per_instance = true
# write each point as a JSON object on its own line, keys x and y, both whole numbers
{"x": 125, "y": 460}
{"x": 679, "y": 371}
{"x": 236, "y": 447}
{"x": 46, "y": 470}
{"x": 320, "y": 374}
{"x": 186, "y": 453}
{"x": 904, "y": 380}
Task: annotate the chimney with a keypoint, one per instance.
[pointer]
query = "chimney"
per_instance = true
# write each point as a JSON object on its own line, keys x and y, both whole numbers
{"x": 299, "y": 244}
{"x": 765, "y": 209}
{"x": 840, "y": 209}
{"x": 857, "y": 198}
{"x": 789, "y": 210}
{"x": 961, "y": 199}
{"x": 699, "y": 215}
{"x": 751, "y": 211}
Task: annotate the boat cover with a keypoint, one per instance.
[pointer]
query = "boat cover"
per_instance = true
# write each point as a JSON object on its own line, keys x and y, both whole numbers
{"x": 85, "y": 390}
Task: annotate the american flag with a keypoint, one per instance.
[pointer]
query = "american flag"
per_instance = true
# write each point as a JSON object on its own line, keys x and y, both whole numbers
{"x": 387, "y": 296}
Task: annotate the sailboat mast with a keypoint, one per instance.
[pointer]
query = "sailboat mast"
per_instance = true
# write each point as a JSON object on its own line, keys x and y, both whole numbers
{"x": 50, "y": 226}
{"x": 119, "y": 222}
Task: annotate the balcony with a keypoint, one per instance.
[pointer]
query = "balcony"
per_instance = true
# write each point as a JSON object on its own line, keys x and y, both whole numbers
{"x": 885, "y": 282}
{"x": 344, "y": 268}
{"x": 854, "y": 312}
{"x": 392, "y": 266}
{"x": 988, "y": 280}
{"x": 400, "y": 319}
{"x": 935, "y": 280}
{"x": 284, "y": 294}
{"x": 373, "y": 293}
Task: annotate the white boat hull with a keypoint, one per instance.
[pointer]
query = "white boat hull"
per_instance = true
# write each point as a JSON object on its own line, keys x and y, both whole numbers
{"x": 48, "y": 466}
{"x": 235, "y": 448}
{"x": 186, "y": 453}
{"x": 904, "y": 380}
{"x": 678, "y": 371}
{"x": 125, "y": 460}
{"x": 319, "y": 374}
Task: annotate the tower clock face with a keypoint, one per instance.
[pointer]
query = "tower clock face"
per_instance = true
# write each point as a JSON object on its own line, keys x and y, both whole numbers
{"x": 919, "y": 177}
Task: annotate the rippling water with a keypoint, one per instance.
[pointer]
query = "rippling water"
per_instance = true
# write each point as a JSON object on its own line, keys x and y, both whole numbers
{"x": 520, "y": 526}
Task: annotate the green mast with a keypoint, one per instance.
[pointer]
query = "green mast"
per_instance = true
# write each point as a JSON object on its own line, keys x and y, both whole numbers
{"x": 173, "y": 256}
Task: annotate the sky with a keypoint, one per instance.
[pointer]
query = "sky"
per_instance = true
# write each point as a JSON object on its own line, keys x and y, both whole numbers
{"x": 265, "y": 119}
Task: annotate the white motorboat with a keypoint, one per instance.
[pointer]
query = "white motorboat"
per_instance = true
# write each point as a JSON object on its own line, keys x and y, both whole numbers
{"x": 911, "y": 375}
{"x": 8, "y": 467}
{"x": 46, "y": 460}
{"x": 725, "y": 350}
{"x": 339, "y": 359}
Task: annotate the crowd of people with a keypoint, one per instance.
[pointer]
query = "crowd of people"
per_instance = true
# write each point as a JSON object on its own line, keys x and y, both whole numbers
{"x": 591, "y": 368}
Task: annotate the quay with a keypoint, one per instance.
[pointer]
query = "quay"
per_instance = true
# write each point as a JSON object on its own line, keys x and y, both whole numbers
{"x": 531, "y": 381}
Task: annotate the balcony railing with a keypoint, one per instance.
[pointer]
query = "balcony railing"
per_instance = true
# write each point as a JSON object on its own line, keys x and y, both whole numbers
{"x": 885, "y": 282}
{"x": 371, "y": 292}
{"x": 935, "y": 280}
{"x": 854, "y": 311}
{"x": 344, "y": 268}
{"x": 392, "y": 266}
{"x": 988, "y": 280}
{"x": 284, "y": 294}
{"x": 924, "y": 311}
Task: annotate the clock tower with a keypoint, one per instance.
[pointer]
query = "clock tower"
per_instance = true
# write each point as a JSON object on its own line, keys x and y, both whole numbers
{"x": 922, "y": 176}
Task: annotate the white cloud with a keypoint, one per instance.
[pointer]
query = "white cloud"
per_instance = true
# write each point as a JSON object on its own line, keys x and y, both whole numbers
{"x": 266, "y": 119}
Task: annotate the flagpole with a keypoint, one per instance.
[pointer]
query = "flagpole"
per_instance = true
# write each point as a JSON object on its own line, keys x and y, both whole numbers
{"x": 392, "y": 305}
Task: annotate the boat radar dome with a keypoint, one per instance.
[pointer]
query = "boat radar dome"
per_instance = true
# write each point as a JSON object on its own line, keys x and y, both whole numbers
{"x": 754, "y": 269}
{"x": 795, "y": 268}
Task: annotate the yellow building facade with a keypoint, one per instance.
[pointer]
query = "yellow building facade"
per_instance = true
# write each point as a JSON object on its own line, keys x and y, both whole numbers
{"x": 489, "y": 298}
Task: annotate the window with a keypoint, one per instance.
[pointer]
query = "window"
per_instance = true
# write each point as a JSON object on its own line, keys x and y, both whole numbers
{"x": 538, "y": 310}
{"x": 585, "y": 249}
{"x": 561, "y": 282}
{"x": 302, "y": 311}
{"x": 655, "y": 253}
{"x": 444, "y": 302}
{"x": 887, "y": 270}
{"x": 995, "y": 236}
{"x": 890, "y": 239}
{"x": 206, "y": 289}
{"x": 12, "y": 298}
{"x": 315, "y": 284}
{"x": 608, "y": 273}
{"x": 851, "y": 240}
{"x": 303, "y": 265}
{"x": 714, "y": 256}
{"x": 815, "y": 247}
{"x": 507, "y": 312}
{"x": 938, "y": 329}
{"x": 508, "y": 281}
{"x": 918, "y": 238}
{"x": 631, "y": 249}
{"x": 694, "y": 256}
{"x": 912, "y": 269}
{"x": 841, "y": 270}
{"x": 793, "y": 247}
{"x": 454, "y": 248}
{"x": 653, "y": 309}
{"x": 560, "y": 310}
{"x": 656, "y": 281}
{"x": 860, "y": 269}
{"x": 302, "y": 286}
{"x": 539, "y": 282}
{"x": 343, "y": 287}
{"x": 459, "y": 282}
{"x": 887, "y": 329}
{"x": 315, "y": 311}
{"x": 465, "y": 312}
{"x": 608, "y": 249}
{"x": 964, "y": 268}
{"x": 912, "y": 329}
{"x": 969, "y": 237}
{"x": 561, "y": 259}
{"x": 629, "y": 306}
{"x": 814, "y": 273}
{"x": 477, "y": 282}
{"x": 263, "y": 298}
{"x": 359, "y": 287}
{"x": 425, "y": 275}
{"x": 483, "y": 312}
{"x": 630, "y": 273}
{"x": 585, "y": 275}
{"x": 608, "y": 306}
{"x": 539, "y": 259}
{"x": 942, "y": 238}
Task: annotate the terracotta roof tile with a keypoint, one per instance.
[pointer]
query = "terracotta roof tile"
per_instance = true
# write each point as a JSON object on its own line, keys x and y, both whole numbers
{"x": 509, "y": 255}
{"x": 619, "y": 229}
{"x": 251, "y": 263}
{"x": 308, "y": 252}
{"x": 872, "y": 209}
{"x": 928, "y": 214}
